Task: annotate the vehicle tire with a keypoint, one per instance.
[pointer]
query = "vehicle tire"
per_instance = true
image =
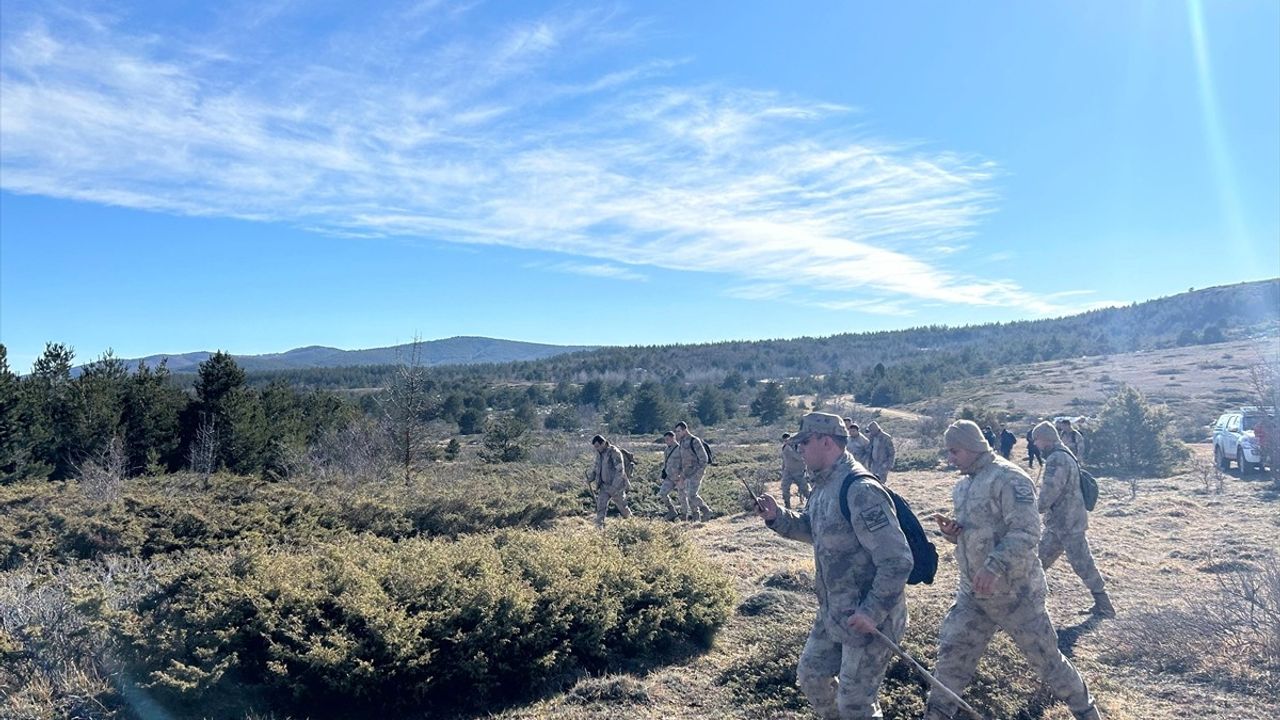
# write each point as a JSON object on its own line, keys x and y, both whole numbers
{"x": 1220, "y": 457}
{"x": 1244, "y": 465}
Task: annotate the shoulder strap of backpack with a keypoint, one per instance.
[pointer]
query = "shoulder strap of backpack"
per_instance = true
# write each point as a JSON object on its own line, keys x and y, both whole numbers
{"x": 1066, "y": 450}
{"x": 849, "y": 480}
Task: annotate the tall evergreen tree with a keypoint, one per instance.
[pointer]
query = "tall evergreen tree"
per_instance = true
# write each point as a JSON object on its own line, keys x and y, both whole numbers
{"x": 11, "y": 460}
{"x": 650, "y": 410}
{"x": 770, "y": 404}
{"x": 152, "y": 406}
{"x": 53, "y": 414}
{"x": 102, "y": 385}
{"x": 710, "y": 405}
{"x": 218, "y": 379}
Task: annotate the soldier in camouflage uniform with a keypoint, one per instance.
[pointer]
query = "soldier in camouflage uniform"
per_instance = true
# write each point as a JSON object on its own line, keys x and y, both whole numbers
{"x": 858, "y": 443}
{"x": 861, "y": 566}
{"x": 610, "y": 478}
{"x": 880, "y": 451}
{"x": 1065, "y": 517}
{"x": 693, "y": 465}
{"x": 671, "y": 475}
{"x": 1071, "y": 438}
{"x": 793, "y": 471}
{"x": 996, "y": 529}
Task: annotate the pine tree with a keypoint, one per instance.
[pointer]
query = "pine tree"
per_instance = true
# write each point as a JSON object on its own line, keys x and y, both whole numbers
{"x": 770, "y": 404}
{"x": 504, "y": 440}
{"x": 710, "y": 405}
{"x": 218, "y": 380}
{"x": 52, "y": 413}
{"x": 1134, "y": 436}
{"x": 649, "y": 409}
{"x": 10, "y": 439}
{"x": 150, "y": 414}
{"x": 101, "y": 385}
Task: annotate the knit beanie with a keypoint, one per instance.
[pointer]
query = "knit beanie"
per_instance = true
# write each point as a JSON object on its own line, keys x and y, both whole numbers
{"x": 965, "y": 435}
{"x": 1045, "y": 431}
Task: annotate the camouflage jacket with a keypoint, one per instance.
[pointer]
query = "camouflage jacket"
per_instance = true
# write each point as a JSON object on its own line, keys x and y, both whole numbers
{"x": 1073, "y": 439}
{"x": 1061, "y": 501}
{"x": 858, "y": 446}
{"x": 610, "y": 471}
{"x": 792, "y": 461}
{"x": 996, "y": 507}
{"x": 861, "y": 565}
{"x": 693, "y": 457}
{"x": 880, "y": 453}
{"x": 671, "y": 462}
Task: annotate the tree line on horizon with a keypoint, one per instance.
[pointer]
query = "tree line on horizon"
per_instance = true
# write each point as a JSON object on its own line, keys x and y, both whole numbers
{"x": 52, "y": 421}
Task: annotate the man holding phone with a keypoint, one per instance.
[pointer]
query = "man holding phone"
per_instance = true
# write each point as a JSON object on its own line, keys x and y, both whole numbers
{"x": 996, "y": 529}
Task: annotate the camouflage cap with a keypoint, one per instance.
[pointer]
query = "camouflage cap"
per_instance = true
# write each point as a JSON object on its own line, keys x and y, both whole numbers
{"x": 819, "y": 423}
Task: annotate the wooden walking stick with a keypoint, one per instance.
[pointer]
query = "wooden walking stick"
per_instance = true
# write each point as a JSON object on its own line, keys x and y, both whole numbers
{"x": 932, "y": 680}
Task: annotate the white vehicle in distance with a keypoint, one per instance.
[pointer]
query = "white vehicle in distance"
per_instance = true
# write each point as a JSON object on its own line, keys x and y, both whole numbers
{"x": 1235, "y": 438}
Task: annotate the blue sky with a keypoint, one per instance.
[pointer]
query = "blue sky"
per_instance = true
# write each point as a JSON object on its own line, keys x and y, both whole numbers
{"x": 262, "y": 176}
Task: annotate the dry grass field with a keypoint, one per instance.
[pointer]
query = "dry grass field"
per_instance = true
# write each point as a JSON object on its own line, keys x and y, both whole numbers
{"x": 1197, "y": 382}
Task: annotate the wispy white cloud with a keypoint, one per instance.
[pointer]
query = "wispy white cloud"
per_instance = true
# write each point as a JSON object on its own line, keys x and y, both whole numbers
{"x": 758, "y": 291}
{"x": 526, "y": 136}
{"x": 600, "y": 270}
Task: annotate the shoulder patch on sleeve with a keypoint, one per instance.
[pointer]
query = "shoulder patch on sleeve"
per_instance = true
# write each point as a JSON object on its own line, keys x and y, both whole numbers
{"x": 874, "y": 518}
{"x": 1023, "y": 492}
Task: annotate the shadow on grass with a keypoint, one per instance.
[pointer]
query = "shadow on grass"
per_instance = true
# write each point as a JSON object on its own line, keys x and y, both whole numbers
{"x": 1069, "y": 636}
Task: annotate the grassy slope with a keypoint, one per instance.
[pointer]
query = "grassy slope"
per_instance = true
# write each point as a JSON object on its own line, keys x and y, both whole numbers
{"x": 1198, "y": 382}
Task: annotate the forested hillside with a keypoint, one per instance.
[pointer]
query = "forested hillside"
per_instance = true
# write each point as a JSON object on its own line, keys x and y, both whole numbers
{"x": 885, "y": 368}
{"x": 449, "y": 351}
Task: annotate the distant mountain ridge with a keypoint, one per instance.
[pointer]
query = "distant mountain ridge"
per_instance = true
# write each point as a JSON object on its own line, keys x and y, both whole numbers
{"x": 462, "y": 350}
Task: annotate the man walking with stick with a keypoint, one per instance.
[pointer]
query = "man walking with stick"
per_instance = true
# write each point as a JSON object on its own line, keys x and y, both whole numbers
{"x": 862, "y": 565}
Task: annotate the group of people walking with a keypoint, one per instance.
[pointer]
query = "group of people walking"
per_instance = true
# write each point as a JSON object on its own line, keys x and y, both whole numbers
{"x": 684, "y": 464}
{"x": 862, "y": 557}
{"x": 873, "y": 450}
{"x": 862, "y": 561}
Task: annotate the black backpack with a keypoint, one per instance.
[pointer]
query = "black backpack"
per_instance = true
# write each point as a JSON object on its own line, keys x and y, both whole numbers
{"x": 1088, "y": 483}
{"x": 628, "y": 462}
{"x": 923, "y": 554}
{"x": 711, "y": 458}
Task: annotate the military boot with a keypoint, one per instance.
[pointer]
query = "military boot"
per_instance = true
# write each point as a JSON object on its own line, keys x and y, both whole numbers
{"x": 1090, "y": 714}
{"x": 1102, "y": 606}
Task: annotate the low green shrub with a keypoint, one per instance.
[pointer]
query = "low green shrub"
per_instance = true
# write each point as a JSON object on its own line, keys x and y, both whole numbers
{"x": 368, "y": 625}
{"x": 157, "y": 516}
{"x": 917, "y": 460}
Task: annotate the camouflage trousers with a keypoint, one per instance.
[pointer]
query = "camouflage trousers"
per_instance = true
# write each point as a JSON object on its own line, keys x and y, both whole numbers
{"x": 842, "y": 679}
{"x": 668, "y": 486}
{"x": 968, "y": 628}
{"x": 618, "y": 494}
{"x": 882, "y": 473}
{"x": 802, "y": 487}
{"x": 690, "y": 499}
{"x": 1076, "y": 546}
